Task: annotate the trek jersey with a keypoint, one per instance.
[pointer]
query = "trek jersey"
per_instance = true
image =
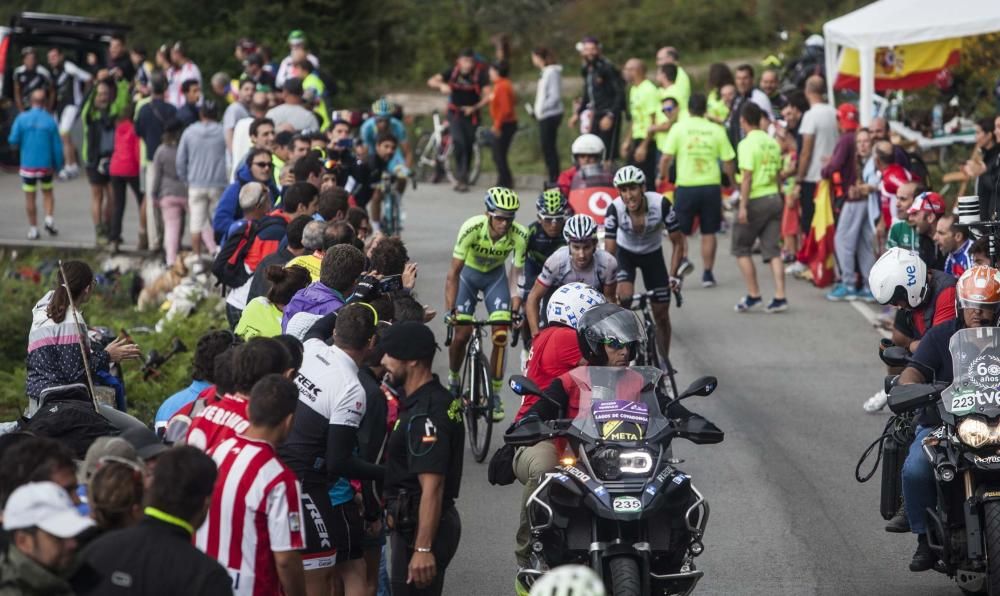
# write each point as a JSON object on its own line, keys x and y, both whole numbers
{"x": 559, "y": 270}
{"x": 698, "y": 145}
{"x": 480, "y": 252}
{"x": 618, "y": 224}
{"x": 541, "y": 245}
{"x": 329, "y": 394}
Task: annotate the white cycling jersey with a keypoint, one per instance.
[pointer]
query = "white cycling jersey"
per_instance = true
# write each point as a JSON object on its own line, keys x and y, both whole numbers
{"x": 659, "y": 215}
{"x": 559, "y": 271}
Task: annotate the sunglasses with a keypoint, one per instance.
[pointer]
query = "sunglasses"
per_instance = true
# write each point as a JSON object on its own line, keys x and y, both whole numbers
{"x": 262, "y": 164}
{"x": 552, "y": 219}
{"x": 614, "y": 343}
{"x": 506, "y": 218}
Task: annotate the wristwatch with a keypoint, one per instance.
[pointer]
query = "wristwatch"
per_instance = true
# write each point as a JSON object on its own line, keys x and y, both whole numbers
{"x": 421, "y": 549}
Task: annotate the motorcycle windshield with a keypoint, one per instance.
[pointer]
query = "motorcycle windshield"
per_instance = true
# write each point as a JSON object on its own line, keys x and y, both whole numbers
{"x": 618, "y": 403}
{"x": 975, "y": 357}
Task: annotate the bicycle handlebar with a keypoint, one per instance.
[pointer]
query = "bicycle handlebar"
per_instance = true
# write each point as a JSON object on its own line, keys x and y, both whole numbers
{"x": 639, "y": 300}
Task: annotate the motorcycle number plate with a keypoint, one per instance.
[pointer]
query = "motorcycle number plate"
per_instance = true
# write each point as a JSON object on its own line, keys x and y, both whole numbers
{"x": 963, "y": 402}
{"x": 626, "y": 505}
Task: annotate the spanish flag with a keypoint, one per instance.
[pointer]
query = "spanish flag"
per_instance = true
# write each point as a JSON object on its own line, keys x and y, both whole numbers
{"x": 909, "y": 66}
{"x": 817, "y": 250}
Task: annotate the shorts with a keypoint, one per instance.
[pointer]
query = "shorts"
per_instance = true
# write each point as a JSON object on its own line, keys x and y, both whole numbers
{"x": 31, "y": 177}
{"x": 67, "y": 118}
{"x": 495, "y": 289}
{"x": 320, "y": 523}
{"x": 703, "y": 201}
{"x": 764, "y": 222}
{"x": 653, "y": 267}
{"x": 201, "y": 204}
{"x": 348, "y": 530}
{"x": 96, "y": 177}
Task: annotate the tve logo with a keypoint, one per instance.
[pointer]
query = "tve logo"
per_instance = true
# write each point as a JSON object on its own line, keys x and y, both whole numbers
{"x": 911, "y": 275}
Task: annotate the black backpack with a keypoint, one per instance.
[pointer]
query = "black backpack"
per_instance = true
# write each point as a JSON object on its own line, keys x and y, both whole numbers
{"x": 228, "y": 265}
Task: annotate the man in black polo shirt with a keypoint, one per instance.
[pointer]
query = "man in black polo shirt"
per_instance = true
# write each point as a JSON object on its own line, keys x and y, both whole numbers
{"x": 424, "y": 464}
{"x": 467, "y": 85}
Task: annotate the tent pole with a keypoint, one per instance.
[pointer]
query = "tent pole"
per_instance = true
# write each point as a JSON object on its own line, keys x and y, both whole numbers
{"x": 866, "y": 57}
{"x": 832, "y": 60}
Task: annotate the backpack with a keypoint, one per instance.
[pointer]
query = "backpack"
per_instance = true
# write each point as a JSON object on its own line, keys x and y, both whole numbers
{"x": 228, "y": 267}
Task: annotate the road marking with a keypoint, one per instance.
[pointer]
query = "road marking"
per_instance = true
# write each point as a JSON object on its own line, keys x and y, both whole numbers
{"x": 871, "y": 317}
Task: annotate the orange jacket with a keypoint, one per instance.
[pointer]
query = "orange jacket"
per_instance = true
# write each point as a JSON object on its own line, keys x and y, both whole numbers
{"x": 502, "y": 105}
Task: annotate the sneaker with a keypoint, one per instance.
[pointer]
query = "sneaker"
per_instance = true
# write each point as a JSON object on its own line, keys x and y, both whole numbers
{"x": 498, "y": 413}
{"x": 924, "y": 558}
{"x": 50, "y": 226}
{"x": 685, "y": 269}
{"x": 64, "y": 174}
{"x": 795, "y": 268}
{"x": 747, "y": 302}
{"x": 865, "y": 296}
{"x": 707, "y": 279}
{"x": 840, "y": 293}
{"x": 876, "y": 402}
{"x": 899, "y": 524}
{"x": 33, "y": 233}
{"x": 787, "y": 258}
{"x": 777, "y": 305}
{"x": 72, "y": 171}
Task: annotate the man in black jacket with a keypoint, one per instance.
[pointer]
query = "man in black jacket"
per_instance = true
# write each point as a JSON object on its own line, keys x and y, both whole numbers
{"x": 156, "y": 556}
{"x": 603, "y": 94}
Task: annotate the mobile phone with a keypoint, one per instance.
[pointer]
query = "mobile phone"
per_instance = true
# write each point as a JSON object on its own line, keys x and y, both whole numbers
{"x": 391, "y": 283}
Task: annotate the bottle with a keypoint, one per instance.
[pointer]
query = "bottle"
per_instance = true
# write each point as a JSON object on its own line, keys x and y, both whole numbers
{"x": 937, "y": 120}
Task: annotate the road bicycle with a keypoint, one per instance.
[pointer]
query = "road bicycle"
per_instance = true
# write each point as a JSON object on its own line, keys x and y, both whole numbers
{"x": 476, "y": 390}
{"x": 392, "y": 185}
{"x": 435, "y": 153}
{"x": 648, "y": 354}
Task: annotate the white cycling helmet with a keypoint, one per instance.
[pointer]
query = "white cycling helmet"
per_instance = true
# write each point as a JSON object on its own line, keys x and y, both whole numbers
{"x": 629, "y": 175}
{"x": 588, "y": 144}
{"x": 569, "y": 580}
{"x": 899, "y": 274}
{"x": 580, "y": 228}
{"x": 568, "y": 303}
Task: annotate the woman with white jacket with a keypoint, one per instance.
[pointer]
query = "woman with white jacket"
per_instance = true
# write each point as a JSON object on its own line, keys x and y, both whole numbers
{"x": 548, "y": 107}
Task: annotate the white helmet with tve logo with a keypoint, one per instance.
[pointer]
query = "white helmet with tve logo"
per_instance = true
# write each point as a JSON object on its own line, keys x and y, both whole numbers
{"x": 899, "y": 278}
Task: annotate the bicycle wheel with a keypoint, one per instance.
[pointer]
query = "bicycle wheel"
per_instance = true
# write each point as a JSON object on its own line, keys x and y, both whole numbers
{"x": 475, "y": 164}
{"x": 479, "y": 416}
{"x": 426, "y": 151}
{"x": 390, "y": 214}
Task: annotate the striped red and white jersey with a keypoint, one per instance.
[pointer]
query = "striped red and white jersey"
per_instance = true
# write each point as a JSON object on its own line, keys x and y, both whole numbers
{"x": 256, "y": 510}
{"x": 218, "y": 422}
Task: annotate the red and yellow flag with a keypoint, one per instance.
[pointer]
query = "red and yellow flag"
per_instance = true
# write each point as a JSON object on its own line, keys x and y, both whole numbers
{"x": 817, "y": 250}
{"x": 902, "y": 67}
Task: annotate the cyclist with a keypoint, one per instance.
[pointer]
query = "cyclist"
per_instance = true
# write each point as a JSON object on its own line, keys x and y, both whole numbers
{"x": 477, "y": 265}
{"x": 580, "y": 261}
{"x": 369, "y": 193}
{"x": 633, "y": 228}
{"x": 70, "y": 82}
{"x": 545, "y": 235}
{"x": 382, "y": 121}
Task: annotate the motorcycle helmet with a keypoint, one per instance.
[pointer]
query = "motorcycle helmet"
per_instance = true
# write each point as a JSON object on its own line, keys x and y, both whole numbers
{"x": 608, "y": 324}
{"x": 569, "y": 302}
{"x": 629, "y": 175}
{"x": 551, "y": 203}
{"x": 979, "y": 287}
{"x": 588, "y": 144}
{"x": 501, "y": 200}
{"x": 580, "y": 228}
{"x": 569, "y": 580}
{"x": 899, "y": 275}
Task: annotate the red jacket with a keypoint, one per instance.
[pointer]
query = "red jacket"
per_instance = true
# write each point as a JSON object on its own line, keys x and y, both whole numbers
{"x": 125, "y": 157}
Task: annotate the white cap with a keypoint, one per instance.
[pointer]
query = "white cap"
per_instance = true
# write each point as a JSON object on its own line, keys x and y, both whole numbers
{"x": 44, "y": 505}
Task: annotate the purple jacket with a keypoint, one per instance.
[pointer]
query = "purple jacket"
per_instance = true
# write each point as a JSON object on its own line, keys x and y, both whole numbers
{"x": 843, "y": 160}
{"x": 314, "y": 299}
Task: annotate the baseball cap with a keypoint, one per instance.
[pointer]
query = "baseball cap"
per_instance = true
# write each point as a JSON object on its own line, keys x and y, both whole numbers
{"x": 409, "y": 340}
{"x": 104, "y": 447}
{"x": 147, "y": 445}
{"x": 847, "y": 116}
{"x": 296, "y": 37}
{"x": 44, "y": 505}
{"x": 927, "y": 201}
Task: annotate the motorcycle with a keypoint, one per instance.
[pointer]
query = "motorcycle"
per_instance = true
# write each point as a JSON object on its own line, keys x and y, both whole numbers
{"x": 618, "y": 504}
{"x": 963, "y": 529}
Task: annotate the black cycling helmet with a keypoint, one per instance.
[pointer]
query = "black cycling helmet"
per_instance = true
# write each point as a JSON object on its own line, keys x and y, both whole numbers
{"x": 608, "y": 324}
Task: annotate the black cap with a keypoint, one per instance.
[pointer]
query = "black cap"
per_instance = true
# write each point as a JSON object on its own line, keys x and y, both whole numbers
{"x": 409, "y": 340}
{"x": 293, "y": 86}
{"x": 147, "y": 445}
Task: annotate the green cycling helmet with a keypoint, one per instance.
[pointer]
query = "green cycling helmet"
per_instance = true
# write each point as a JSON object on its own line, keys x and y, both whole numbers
{"x": 499, "y": 198}
{"x": 551, "y": 203}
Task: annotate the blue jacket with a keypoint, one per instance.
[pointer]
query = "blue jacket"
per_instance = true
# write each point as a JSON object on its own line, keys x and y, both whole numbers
{"x": 228, "y": 210}
{"x": 37, "y": 135}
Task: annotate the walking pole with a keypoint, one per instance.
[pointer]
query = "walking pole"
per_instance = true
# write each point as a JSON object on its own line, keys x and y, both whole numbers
{"x": 80, "y": 340}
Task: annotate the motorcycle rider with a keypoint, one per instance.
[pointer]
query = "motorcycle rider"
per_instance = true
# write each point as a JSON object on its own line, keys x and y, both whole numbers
{"x": 977, "y": 305}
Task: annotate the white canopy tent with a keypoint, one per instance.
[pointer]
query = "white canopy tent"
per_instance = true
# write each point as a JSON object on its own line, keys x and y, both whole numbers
{"x": 889, "y": 23}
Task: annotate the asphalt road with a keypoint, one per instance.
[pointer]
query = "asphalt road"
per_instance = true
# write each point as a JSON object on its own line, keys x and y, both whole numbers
{"x": 787, "y": 516}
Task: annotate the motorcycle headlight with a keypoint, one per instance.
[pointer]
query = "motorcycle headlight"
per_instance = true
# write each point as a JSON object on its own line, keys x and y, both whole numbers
{"x": 635, "y": 462}
{"x": 975, "y": 432}
{"x": 610, "y": 463}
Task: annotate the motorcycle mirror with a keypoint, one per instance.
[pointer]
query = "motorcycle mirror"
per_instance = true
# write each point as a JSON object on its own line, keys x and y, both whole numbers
{"x": 522, "y": 386}
{"x": 700, "y": 386}
{"x": 895, "y": 356}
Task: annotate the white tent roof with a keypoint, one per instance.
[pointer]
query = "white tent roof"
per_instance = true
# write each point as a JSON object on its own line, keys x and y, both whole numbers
{"x": 888, "y": 23}
{"x": 895, "y": 22}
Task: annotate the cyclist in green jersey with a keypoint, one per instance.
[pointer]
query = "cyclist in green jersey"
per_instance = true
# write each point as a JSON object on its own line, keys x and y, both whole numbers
{"x": 477, "y": 266}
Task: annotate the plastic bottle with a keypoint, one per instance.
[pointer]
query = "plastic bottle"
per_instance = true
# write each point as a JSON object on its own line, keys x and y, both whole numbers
{"x": 937, "y": 120}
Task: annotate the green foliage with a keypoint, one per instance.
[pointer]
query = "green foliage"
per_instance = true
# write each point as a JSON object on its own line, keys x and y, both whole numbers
{"x": 109, "y": 307}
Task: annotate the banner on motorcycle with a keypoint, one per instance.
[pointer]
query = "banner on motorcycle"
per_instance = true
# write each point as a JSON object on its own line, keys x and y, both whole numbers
{"x": 593, "y": 201}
